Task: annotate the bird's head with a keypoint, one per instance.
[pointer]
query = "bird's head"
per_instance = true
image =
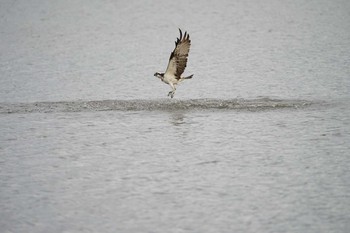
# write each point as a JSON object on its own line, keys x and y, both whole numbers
{"x": 159, "y": 75}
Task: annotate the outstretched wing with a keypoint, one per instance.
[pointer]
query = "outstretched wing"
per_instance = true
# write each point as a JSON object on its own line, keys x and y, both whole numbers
{"x": 178, "y": 58}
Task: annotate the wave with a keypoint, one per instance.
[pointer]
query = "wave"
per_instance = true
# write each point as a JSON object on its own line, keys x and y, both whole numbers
{"x": 153, "y": 105}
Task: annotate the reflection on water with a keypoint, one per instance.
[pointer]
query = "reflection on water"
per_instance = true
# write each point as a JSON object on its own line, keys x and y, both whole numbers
{"x": 177, "y": 118}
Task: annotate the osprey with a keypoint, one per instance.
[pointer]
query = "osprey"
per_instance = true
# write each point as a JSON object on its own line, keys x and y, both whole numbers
{"x": 177, "y": 63}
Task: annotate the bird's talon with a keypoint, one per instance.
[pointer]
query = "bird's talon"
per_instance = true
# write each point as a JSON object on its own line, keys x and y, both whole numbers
{"x": 171, "y": 94}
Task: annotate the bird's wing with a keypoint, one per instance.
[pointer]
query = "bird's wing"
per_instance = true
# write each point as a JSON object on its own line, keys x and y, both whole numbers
{"x": 178, "y": 58}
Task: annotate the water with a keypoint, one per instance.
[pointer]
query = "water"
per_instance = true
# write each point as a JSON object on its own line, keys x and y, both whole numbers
{"x": 257, "y": 141}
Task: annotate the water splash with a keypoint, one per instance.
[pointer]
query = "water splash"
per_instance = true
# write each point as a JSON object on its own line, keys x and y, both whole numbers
{"x": 153, "y": 105}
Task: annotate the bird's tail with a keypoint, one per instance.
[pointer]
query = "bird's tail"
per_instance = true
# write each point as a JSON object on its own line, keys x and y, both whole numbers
{"x": 188, "y": 77}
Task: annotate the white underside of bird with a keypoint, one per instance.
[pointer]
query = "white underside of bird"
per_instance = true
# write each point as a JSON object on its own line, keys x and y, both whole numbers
{"x": 172, "y": 81}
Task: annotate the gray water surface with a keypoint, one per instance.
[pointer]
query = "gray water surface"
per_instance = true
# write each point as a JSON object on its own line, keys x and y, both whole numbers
{"x": 257, "y": 141}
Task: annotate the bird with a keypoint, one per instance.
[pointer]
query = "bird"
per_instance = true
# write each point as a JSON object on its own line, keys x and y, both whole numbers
{"x": 177, "y": 63}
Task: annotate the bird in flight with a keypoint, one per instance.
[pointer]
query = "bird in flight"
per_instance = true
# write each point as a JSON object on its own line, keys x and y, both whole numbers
{"x": 177, "y": 63}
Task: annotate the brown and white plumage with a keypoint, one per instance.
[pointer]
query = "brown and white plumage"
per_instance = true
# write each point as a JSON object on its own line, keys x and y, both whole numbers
{"x": 177, "y": 63}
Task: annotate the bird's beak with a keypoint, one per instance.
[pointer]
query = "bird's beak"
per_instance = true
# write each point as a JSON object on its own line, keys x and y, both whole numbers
{"x": 155, "y": 74}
